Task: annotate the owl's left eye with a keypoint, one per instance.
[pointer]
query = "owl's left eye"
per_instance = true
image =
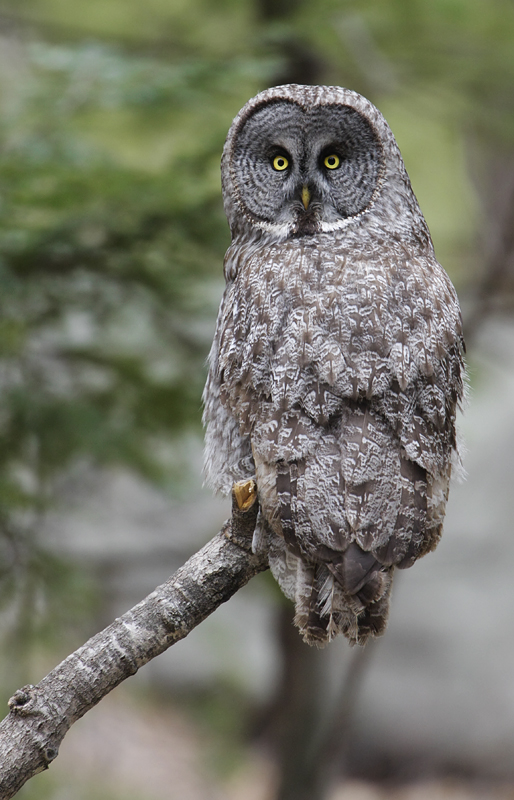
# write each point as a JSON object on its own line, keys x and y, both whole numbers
{"x": 280, "y": 163}
{"x": 332, "y": 161}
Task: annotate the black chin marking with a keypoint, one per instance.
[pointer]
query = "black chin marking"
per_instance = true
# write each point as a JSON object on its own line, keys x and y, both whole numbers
{"x": 307, "y": 224}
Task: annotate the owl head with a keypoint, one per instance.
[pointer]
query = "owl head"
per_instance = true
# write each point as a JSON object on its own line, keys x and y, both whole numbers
{"x": 307, "y": 160}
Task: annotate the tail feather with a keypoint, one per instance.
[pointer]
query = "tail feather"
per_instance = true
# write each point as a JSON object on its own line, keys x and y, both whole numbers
{"x": 324, "y": 605}
{"x": 334, "y": 590}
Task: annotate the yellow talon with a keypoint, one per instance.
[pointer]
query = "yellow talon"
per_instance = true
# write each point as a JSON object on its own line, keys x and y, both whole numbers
{"x": 245, "y": 494}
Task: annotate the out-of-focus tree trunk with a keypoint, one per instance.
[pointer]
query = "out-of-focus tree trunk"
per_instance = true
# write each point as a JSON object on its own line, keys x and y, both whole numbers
{"x": 308, "y": 723}
{"x": 298, "y": 714}
{"x": 493, "y": 292}
{"x": 299, "y": 63}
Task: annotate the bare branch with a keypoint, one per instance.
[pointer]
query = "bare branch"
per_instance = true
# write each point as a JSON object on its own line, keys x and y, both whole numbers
{"x": 41, "y": 715}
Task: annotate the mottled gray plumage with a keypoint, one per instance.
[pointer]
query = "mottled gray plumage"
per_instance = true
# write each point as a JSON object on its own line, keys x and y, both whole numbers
{"x": 336, "y": 367}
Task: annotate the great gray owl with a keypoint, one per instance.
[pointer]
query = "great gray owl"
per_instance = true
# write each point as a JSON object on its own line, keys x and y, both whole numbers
{"x": 337, "y": 363}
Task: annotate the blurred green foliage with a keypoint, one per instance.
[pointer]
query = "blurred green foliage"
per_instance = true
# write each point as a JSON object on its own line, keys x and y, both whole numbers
{"x": 112, "y": 120}
{"x": 111, "y": 239}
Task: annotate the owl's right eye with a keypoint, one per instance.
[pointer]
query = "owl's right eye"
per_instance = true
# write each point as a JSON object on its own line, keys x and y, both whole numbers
{"x": 280, "y": 163}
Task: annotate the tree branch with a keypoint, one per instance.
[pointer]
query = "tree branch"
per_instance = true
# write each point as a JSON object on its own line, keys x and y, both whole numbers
{"x": 40, "y": 716}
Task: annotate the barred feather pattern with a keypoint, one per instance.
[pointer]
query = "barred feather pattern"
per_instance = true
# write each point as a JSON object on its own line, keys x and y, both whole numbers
{"x": 334, "y": 379}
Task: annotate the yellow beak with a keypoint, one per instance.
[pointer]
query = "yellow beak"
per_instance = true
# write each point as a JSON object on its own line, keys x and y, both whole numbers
{"x": 306, "y": 197}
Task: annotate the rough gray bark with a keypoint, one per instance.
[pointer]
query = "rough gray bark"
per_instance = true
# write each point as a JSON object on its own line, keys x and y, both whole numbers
{"x": 40, "y": 716}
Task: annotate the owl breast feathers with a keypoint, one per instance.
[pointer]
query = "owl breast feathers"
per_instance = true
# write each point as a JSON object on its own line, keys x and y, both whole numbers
{"x": 337, "y": 364}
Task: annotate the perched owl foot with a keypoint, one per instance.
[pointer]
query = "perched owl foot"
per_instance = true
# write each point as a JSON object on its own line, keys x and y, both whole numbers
{"x": 245, "y": 508}
{"x": 245, "y": 493}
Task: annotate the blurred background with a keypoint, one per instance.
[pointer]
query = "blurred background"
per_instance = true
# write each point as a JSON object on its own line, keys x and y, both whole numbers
{"x": 113, "y": 115}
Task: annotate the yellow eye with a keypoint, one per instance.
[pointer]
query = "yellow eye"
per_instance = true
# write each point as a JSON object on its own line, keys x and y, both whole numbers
{"x": 280, "y": 163}
{"x": 332, "y": 161}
